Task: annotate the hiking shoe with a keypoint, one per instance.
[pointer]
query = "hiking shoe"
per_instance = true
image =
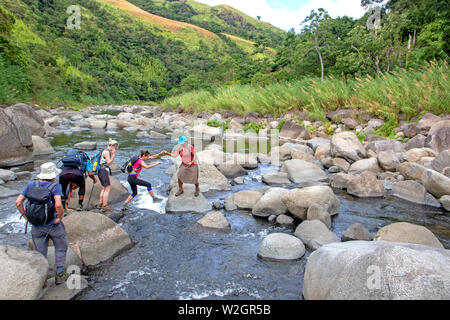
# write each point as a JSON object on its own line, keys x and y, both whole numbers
{"x": 179, "y": 193}
{"x": 197, "y": 193}
{"x": 61, "y": 278}
{"x": 125, "y": 208}
{"x": 80, "y": 207}
{"x": 107, "y": 208}
{"x": 157, "y": 200}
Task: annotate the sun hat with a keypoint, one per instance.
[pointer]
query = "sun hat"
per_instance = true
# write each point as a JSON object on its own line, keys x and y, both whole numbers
{"x": 49, "y": 171}
{"x": 182, "y": 140}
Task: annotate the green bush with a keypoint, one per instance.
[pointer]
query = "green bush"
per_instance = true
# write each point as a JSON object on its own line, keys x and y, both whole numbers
{"x": 252, "y": 126}
{"x": 217, "y": 124}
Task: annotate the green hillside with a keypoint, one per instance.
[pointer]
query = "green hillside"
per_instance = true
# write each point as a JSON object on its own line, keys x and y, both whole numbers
{"x": 218, "y": 19}
{"x": 116, "y": 56}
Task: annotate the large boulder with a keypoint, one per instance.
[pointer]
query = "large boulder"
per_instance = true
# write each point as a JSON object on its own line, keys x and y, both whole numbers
{"x": 356, "y": 232}
{"x": 301, "y": 171}
{"x": 23, "y": 273}
{"x": 246, "y": 199}
{"x": 41, "y": 146}
{"x": 211, "y": 179}
{"x": 118, "y": 193}
{"x": 385, "y": 145}
{"x": 26, "y": 115}
{"x": 441, "y": 162}
{"x": 298, "y": 201}
{"x": 18, "y": 144}
{"x": 409, "y": 233}
{"x": 314, "y": 234}
{"x": 347, "y": 145}
{"x": 97, "y": 124}
{"x": 439, "y": 136}
{"x": 360, "y": 166}
{"x": 340, "y": 180}
{"x": 271, "y": 203}
{"x": 98, "y": 238}
{"x": 215, "y": 220}
{"x": 388, "y": 161}
{"x": 318, "y": 212}
{"x": 414, "y": 155}
{"x": 416, "y": 142}
{"x": 232, "y": 170}
{"x": 411, "y": 171}
{"x": 291, "y": 130}
{"x": 437, "y": 184}
{"x": 187, "y": 203}
{"x": 213, "y": 157}
{"x": 281, "y": 246}
{"x": 377, "y": 270}
{"x": 445, "y": 200}
{"x": 205, "y": 133}
{"x": 427, "y": 121}
{"x": 413, "y": 191}
{"x": 7, "y": 175}
{"x": 323, "y": 151}
{"x": 366, "y": 185}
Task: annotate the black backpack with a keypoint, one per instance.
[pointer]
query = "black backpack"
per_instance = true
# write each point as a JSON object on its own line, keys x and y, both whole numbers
{"x": 127, "y": 167}
{"x": 40, "y": 207}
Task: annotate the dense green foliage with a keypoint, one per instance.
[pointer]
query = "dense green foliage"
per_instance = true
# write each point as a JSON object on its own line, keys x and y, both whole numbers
{"x": 113, "y": 58}
{"x": 216, "y": 19}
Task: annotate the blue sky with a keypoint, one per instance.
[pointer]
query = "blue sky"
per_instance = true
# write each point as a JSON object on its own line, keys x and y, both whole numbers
{"x": 287, "y": 14}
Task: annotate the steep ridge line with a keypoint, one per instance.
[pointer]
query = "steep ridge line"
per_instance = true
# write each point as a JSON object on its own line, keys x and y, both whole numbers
{"x": 169, "y": 24}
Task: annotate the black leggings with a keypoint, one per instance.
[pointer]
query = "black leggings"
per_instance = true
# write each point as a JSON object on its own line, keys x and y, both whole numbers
{"x": 135, "y": 181}
{"x": 66, "y": 179}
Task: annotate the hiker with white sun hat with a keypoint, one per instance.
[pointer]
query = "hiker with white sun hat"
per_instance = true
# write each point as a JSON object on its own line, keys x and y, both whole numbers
{"x": 40, "y": 204}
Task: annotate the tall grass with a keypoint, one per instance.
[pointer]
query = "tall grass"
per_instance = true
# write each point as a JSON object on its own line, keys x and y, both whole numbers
{"x": 402, "y": 92}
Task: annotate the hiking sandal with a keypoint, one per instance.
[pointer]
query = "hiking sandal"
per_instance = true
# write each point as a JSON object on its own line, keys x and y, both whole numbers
{"x": 179, "y": 193}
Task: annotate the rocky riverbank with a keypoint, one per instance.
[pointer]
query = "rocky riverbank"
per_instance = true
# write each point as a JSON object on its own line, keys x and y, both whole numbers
{"x": 308, "y": 165}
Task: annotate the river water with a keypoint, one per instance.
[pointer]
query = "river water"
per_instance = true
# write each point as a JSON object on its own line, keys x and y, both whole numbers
{"x": 175, "y": 258}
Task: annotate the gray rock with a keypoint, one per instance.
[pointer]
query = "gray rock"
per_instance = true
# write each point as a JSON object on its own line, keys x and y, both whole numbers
{"x": 360, "y": 166}
{"x": 86, "y": 145}
{"x": 97, "y": 124}
{"x": 409, "y": 233}
{"x": 356, "y": 232}
{"x": 187, "y": 203}
{"x": 377, "y": 270}
{"x": 97, "y": 237}
{"x": 271, "y": 203}
{"x": 417, "y": 142}
{"x": 314, "y": 143}
{"x": 314, "y": 234}
{"x": 410, "y": 130}
{"x": 385, "y": 145}
{"x": 318, "y": 212}
{"x": 6, "y": 193}
{"x": 291, "y": 130}
{"x": 388, "y": 161}
{"x": 7, "y": 175}
{"x": 441, "y": 162}
{"x": 72, "y": 259}
{"x": 437, "y": 184}
{"x": 349, "y": 123}
{"x": 63, "y": 292}
{"x": 215, "y": 220}
{"x": 28, "y": 117}
{"x": 278, "y": 178}
{"x": 281, "y": 246}
{"x": 158, "y": 136}
{"x": 211, "y": 179}
{"x": 23, "y": 273}
{"x": 413, "y": 191}
{"x": 347, "y": 145}
{"x": 298, "y": 201}
{"x": 445, "y": 200}
{"x": 232, "y": 170}
{"x": 238, "y": 180}
{"x": 366, "y": 185}
{"x": 439, "y": 137}
{"x": 41, "y": 146}
{"x": 323, "y": 151}
{"x": 340, "y": 180}
{"x": 339, "y": 114}
{"x": 300, "y": 171}
{"x": 427, "y": 121}
{"x": 246, "y": 199}
{"x": 284, "y": 220}
{"x": 411, "y": 171}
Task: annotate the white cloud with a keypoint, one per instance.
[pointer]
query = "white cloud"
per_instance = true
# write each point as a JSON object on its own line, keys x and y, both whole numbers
{"x": 287, "y": 19}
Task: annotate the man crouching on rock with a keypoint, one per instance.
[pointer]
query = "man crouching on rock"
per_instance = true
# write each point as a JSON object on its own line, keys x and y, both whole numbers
{"x": 38, "y": 203}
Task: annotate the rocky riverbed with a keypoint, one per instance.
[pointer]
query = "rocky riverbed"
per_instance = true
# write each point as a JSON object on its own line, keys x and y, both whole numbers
{"x": 268, "y": 210}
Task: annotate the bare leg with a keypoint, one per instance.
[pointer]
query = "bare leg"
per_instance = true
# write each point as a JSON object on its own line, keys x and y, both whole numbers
{"x": 129, "y": 199}
{"x": 180, "y": 188}
{"x": 197, "y": 190}
{"x": 100, "y": 202}
{"x": 106, "y": 195}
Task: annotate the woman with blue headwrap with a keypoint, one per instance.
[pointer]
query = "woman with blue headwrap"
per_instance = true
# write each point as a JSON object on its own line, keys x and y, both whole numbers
{"x": 188, "y": 172}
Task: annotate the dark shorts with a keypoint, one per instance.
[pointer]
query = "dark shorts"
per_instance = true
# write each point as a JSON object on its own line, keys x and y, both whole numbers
{"x": 135, "y": 181}
{"x": 78, "y": 178}
{"x": 103, "y": 176}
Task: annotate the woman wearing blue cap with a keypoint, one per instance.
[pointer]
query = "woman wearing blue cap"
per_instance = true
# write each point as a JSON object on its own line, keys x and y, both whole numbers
{"x": 188, "y": 172}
